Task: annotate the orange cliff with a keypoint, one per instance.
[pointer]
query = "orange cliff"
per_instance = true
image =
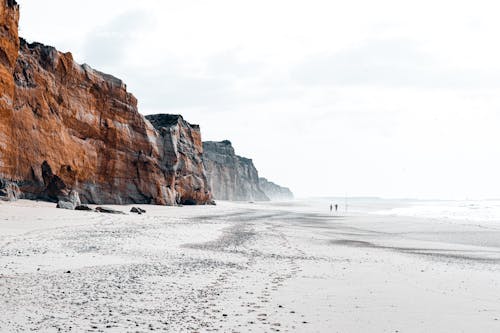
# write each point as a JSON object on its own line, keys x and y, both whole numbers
{"x": 65, "y": 126}
{"x": 9, "y": 46}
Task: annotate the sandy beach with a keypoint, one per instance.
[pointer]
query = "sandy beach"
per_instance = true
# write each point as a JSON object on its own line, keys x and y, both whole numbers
{"x": 244, "y": 268}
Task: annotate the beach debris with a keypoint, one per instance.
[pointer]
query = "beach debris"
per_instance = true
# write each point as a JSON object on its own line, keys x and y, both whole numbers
{"x": 108, "y": 211}
{"x": 137, "y": 210}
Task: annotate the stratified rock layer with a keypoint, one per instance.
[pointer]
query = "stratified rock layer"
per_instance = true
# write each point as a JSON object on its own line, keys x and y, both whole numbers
{"x": 65, "y": 126}
{"x": 274, "y": 191}
{"x": 77, "y": 128}
{"x": 9, "y": 46}
{"x": 231, "y": 177}
{"x": 182, "y": 152}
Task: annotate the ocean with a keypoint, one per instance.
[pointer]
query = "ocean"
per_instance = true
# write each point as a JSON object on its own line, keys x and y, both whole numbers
{"x": 459, "y": 210}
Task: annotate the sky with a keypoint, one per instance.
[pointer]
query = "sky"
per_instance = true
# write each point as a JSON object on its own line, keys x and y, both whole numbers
{"x": 330, "y": 98}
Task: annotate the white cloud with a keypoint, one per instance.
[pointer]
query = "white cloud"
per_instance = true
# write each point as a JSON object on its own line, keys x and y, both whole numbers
{"x": 396, "y": 63}
{"x": 108, "y": 45}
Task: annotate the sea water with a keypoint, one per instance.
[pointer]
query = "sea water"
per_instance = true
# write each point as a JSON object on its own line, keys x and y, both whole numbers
{"x": 460, "y": 210}
{"x": 480, "y": 210}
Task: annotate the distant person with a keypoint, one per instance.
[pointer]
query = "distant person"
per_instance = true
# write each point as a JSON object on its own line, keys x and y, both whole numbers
{"x": 331, "y": 208}
{"x": 336, "y": 207}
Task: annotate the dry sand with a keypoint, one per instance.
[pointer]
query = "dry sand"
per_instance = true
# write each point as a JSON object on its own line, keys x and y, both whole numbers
{"x": 243, "y": 268}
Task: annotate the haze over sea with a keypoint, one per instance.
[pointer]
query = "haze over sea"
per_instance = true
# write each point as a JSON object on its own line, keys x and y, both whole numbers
{"x": 486, "y": 211}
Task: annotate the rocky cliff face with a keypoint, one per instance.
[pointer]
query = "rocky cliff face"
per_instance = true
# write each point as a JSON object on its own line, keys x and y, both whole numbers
{"x": 65, "y": 126}
{"x": 9, "y": 46}
{"x": 77, "y": 128}
{"x": 274, "y": 191}
{"x": 182, "y": 150}
{"x": 231, "y": 177}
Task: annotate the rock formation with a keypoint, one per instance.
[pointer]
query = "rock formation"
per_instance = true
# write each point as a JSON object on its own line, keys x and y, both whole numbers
{"x": 231, "y": 177}
{"x": 182, "y": 151}
{"x": 65, "y": 126}
{"x": 9, "y": 191}
{"x": 274, "y": 191}
{"x": 9, "y": 46}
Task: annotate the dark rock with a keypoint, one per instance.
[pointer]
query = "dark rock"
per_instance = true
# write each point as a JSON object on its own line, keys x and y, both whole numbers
{"x": 108, "y": 211}
{"x": 137, "y": 210}
{"x": 188, "y": 202}
{"x": 12, "y": 3}
{"x": 55, "y": 188}
{"x": 83, "y": 208}
{"x": 9, "y": 191}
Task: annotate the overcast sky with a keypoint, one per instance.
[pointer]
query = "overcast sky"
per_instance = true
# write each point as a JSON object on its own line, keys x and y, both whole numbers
{"x": 381, "y": 98}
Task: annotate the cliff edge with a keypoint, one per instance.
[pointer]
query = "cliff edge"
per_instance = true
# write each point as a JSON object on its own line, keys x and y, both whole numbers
{"x": 65, "y": 126}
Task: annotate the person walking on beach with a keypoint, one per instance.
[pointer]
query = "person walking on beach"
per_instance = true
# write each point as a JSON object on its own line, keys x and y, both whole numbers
{"x": 336, "y": 207}
{"x": 331, "y": 208}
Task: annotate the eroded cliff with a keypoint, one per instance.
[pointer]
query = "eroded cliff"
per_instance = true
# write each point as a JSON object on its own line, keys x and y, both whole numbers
{"x": 231, "y": 177}
{"x": 274, "y": 191}
{"x": 65, "y": 126}
{"x": 182, "y": 150}
{"x": 9, "y": 46}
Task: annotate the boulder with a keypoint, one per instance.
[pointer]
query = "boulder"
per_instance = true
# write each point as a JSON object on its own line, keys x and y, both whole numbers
{"x": 137, "y": 210}
{"x": 108, "y": 211}
{"x": 83, "y": 208}
{"x": 65, "y": 205}
{"x": 9, "y": 191}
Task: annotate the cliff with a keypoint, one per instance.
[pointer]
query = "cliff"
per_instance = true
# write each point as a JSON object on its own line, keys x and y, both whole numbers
{"x": 9, "y": 46}
{"x": 182, "y": 151}
{"x": 65, "y": 126}
{"x": 231, "y": 177}
{"x": 274, "y": 191}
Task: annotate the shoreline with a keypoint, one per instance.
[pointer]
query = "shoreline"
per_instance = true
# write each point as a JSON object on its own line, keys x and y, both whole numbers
{"x": 243, "y": 267}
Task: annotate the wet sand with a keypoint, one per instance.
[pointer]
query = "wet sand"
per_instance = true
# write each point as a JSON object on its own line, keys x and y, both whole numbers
{"x": 244, "y": 268}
